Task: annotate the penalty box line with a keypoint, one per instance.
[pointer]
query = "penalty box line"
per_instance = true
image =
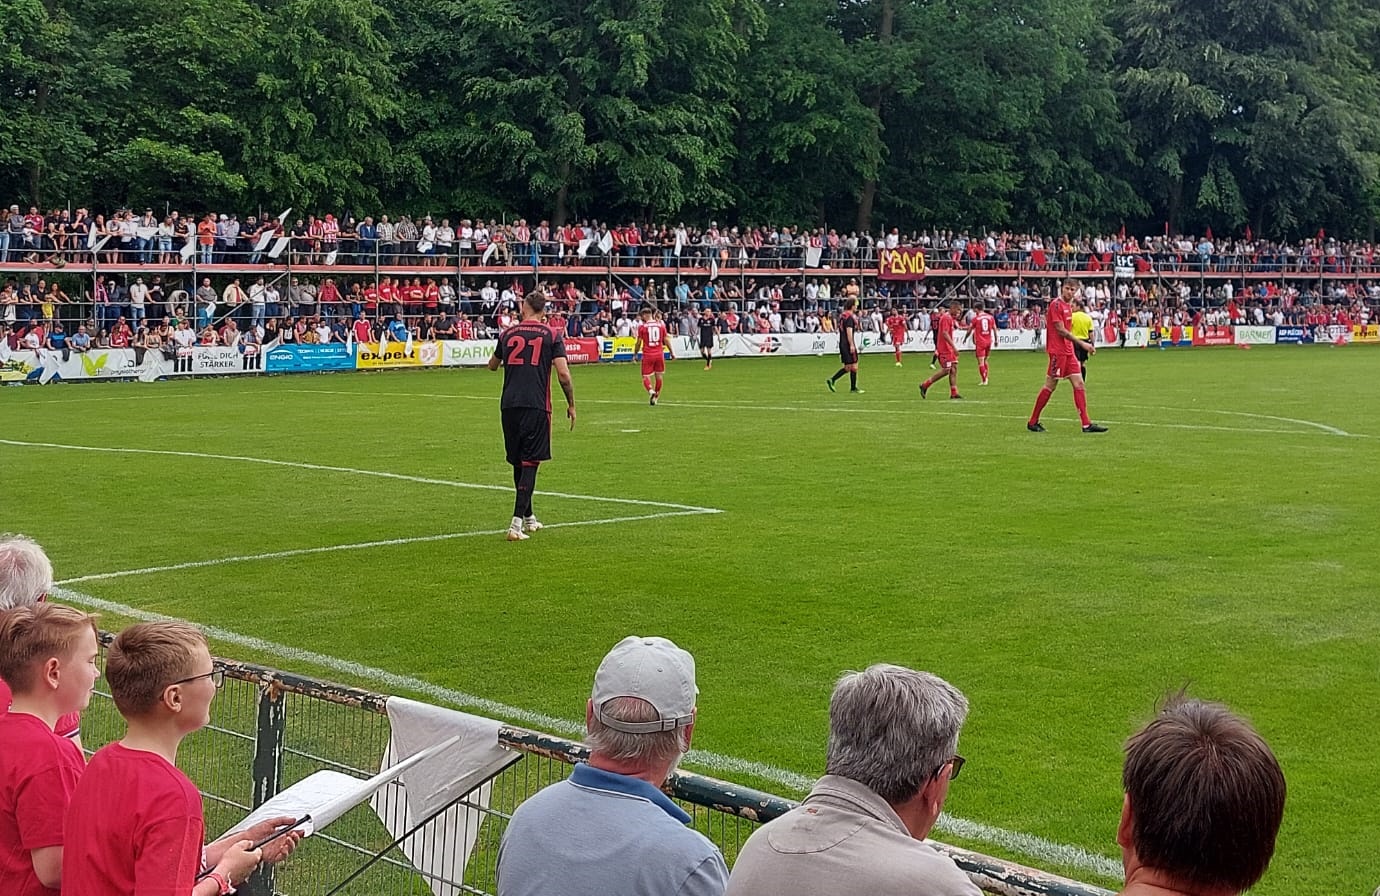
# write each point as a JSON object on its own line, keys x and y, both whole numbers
{"x": 362, "y": 545}
{"x": 355, "y": 471}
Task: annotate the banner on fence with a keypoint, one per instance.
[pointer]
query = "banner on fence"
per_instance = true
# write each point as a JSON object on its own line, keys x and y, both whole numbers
{"x": 397, "y": 354}
{"x": 1212, "y": 335}
{"x": 582, "y": 350}
{"x": 1366, "y": 333}
{"x": 208, "y": 360}
{"x": 1293, "y": 335}
{"x": 901, "y": 264}
{"x": 306, "y": 357}
{"x": 1255, "y": 335}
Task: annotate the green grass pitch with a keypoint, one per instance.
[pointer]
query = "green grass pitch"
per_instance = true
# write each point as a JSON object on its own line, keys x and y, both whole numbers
{"x": 1223, "y": 534}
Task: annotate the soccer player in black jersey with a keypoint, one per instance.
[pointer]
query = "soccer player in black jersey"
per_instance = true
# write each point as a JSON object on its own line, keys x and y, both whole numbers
{"x": 527, "y": 351}
{"x": 848, "y": 347}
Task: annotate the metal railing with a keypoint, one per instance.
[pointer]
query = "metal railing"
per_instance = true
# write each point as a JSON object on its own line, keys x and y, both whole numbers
{"x": 270, "y": 729}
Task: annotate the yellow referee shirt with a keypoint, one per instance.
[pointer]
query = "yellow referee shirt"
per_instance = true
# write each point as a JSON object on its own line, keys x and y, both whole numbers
{"x": 1081, "y": 325}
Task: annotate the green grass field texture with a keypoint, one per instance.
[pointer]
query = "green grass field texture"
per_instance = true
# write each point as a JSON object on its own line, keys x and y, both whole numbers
{"x": 1223, "y": 535}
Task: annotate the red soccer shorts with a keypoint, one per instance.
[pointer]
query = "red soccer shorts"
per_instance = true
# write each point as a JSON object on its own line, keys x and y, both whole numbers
{"x": 982, "y": 351}
{"x": 948, "y": 361}
{"x": 1064, "y": 366}
{"x": 653, "y": 364}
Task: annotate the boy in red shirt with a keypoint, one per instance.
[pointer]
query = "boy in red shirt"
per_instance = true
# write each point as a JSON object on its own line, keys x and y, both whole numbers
{"x": 48, "y": 655}
{"x": 135, "y": 822}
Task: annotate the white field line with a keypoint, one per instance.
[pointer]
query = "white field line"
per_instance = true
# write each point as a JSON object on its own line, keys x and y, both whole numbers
{"x": 362, "y": 545}
{"x": 1332, "y": 430}
{"x": 353, "y": 471}
{"x": 1025, "y": 844}
{"x": 734, "y": 406}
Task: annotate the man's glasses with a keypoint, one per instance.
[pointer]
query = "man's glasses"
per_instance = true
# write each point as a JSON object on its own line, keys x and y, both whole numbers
{"x": 955, "y": 766}
{"x": 217, "y": 676}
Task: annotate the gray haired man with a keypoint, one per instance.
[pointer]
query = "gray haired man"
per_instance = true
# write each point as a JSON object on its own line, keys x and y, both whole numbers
{"x": 893, "y": 737}
{"x": 608, "y": 830}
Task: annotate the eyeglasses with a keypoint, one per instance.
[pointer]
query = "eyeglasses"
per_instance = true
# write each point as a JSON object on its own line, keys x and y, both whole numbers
{"x": 217, "y": 676}
{"x": 955, "y": 764}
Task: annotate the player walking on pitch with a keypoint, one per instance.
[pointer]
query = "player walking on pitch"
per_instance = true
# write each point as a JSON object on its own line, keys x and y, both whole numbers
{"x": 848, "y": 347}
{"x": 528, "y": 351}
{"x": 897, "y": 326}
{"x": 984, "y": 330}
{"x": 1063, "y": 364}
{"x": 652, "y": 346}
{"x": 946, "y": 350}
{"x": 709, "y": 332}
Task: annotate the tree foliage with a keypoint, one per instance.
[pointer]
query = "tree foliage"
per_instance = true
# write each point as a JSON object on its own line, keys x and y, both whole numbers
{"x": 1048, "y": 114}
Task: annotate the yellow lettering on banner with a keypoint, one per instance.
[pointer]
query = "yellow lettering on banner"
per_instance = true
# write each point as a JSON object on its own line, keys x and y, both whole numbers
{"x": 423, "y": 354}
{"x": 901, "y": 263}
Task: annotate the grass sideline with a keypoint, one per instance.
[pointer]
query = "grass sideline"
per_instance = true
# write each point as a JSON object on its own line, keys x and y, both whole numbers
{"x": 1222, "y": 535}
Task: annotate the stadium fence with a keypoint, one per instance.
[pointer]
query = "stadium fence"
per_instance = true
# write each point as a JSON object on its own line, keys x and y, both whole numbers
{"x": 271, "y": 728}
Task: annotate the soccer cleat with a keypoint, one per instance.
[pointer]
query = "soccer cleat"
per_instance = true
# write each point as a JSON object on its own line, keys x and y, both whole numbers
{"x": 531, "y": 524}
{"x": 1034, "y": 427}
{"x": 517, "y": 535}
{"x": 898, "y": 363}
{"x": 955, "y": 397}
{"x": 652, "y": 400}
{"x": 924, "y": 390}
{"x": 830, "y": 384}
{"x": 856, "y": 391}
{"x": 1093, "y": 427}
{"x": 984, "y": 382}
{"x": 932, "y": 367}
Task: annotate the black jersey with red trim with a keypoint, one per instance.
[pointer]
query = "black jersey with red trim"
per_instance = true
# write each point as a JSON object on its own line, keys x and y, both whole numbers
{"x": 527, "y": 351}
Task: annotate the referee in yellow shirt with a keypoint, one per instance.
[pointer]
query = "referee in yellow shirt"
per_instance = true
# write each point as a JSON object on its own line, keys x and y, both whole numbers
{"x": 1081, "y": 328}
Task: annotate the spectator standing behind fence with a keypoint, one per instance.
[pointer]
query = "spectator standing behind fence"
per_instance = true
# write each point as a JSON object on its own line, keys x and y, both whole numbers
{"x": 48, "y": 655}
{"x": 1204, "y": 801}
{"x": 893, "y": 733}
{"x": 608, "y": 830}
{"x": 135, "y": 822}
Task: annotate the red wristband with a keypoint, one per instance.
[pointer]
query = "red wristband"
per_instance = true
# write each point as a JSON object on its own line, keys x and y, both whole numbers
{"x": 221, "y": 881}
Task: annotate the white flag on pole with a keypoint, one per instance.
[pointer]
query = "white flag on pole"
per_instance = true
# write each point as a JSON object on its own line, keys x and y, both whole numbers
{"x": 680, "y": 240}
{"x": 584, "y": 246}
{"x": 407, "y": 347}
{"x": 189, "y": 249}
{"x": 383, "y": 342}
{"x": 330, "y": 256}
{"x": 279, "y": 246}
{"x": 713, "y": 268}
{"x": 488, "y": 253}
{"x": 812, "y": 256}
{"x": 283, "y": 216}
{"x": 91, "y": 237}
{"x": 606, "y": 244}
{"x": 264, "y": 239}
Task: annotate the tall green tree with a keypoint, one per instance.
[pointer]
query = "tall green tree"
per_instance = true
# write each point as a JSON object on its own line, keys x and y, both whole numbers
{"x": 1262, "y": 114}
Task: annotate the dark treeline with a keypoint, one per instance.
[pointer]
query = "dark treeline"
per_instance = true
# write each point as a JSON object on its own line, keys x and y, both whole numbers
{"x": 1057, "y": 115}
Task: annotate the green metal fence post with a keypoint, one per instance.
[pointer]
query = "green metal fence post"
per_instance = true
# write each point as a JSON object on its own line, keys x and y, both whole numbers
{"x": 267, "y": 767}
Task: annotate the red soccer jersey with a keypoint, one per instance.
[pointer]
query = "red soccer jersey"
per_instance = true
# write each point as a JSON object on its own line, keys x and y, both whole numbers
{"x": 134, "y": 826}
{"x": 897, "y": 326}
{"x": 944, "y": 336}
{"x": 984, "y": 330}
{"x": 1055, "y": 344}
{"x": 363, "y": 332}
{"x": 67, "y": 726}
{"x": 653, "y": 336}
{"x": 38, "y": 773}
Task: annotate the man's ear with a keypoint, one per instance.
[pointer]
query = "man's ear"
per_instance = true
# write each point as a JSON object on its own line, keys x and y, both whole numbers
{"x": 1126, "y": 828}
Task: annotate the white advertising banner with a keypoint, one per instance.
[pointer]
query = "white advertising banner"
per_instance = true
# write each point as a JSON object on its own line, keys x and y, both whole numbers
{"x": 469, "y": 353}
{"x": 219, "y": 360}
{"x": 1255, "y": 335}
{"x": 45, "y": 366}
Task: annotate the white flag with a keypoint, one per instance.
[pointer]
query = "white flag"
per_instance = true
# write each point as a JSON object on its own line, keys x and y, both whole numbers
{"x": 560, "y": 250}
{"x": 49, "y": 368}
{"x": 407, "y": 347}
{"x": 713, "y": 268}
{"x": 812, "y": 256}
{"x": 383, "y": 342}
{"x": 189, "y": 249}
{"x": 680, "y": 241}
{"x": 330, "y": 256}
{"x": 283, "y": 216}
{"x": 91, "y": 237}
{"x": 264, "y": 239}
{"x": 742, "y": 255}
{"x": 279, "y": 246}
{"x": 350, "y": 340}
{"x": 488, "y": 253}
{"x": 606, "y": 244}
{"x": 584, "y": 246}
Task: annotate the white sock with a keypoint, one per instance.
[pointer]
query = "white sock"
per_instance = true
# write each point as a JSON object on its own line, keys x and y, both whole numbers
{"x": 517, "y": 523}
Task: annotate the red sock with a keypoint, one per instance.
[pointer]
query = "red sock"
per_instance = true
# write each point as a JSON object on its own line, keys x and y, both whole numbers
{"x": 647, "y": 383}
{"x": 658, "y": 384}
{"x": 1080, "y": 399}
{"x": 1040, "y": 401}
{"x": 930, "y": 382}
{"x": 982, "y": 370}
{"x": 898, "y": 356}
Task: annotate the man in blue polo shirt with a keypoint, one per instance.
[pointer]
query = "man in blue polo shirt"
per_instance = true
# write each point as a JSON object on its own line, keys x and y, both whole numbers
{"x": 608, "y": 830}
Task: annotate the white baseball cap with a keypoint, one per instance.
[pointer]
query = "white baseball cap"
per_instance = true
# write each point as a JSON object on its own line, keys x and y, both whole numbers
{"x": 650, "y": 669}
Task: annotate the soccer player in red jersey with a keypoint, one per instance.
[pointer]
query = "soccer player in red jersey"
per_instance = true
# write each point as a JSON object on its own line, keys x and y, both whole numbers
{"x": 897, "y": 326}
{"x": 944, "y": 347}
{"x": 135, "y": 822}
{"x": 48, "y": 654}
{"x": 528, "y": 351}
{"x": 1063, "y": 363}
{"x": 848, "y": 346}
{"x": 652, "y": 345}
{"x": 984, "y": 330}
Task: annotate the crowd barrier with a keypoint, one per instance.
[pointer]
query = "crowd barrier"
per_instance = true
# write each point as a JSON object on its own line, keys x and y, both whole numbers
{"x": 270, "y": 729}
{"x": 45, "y": 366}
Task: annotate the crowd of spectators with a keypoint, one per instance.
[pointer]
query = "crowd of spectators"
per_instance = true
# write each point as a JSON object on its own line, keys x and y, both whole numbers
{"x": 128, "y": 237}
{"x": 141, "y": 312}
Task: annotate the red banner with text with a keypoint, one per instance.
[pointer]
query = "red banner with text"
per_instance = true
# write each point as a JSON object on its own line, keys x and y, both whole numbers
{"x": 901, "y": 264}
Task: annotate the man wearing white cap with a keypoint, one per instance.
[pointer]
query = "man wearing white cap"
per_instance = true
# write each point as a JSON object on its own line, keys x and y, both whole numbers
{"x": 608, "y": 830}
